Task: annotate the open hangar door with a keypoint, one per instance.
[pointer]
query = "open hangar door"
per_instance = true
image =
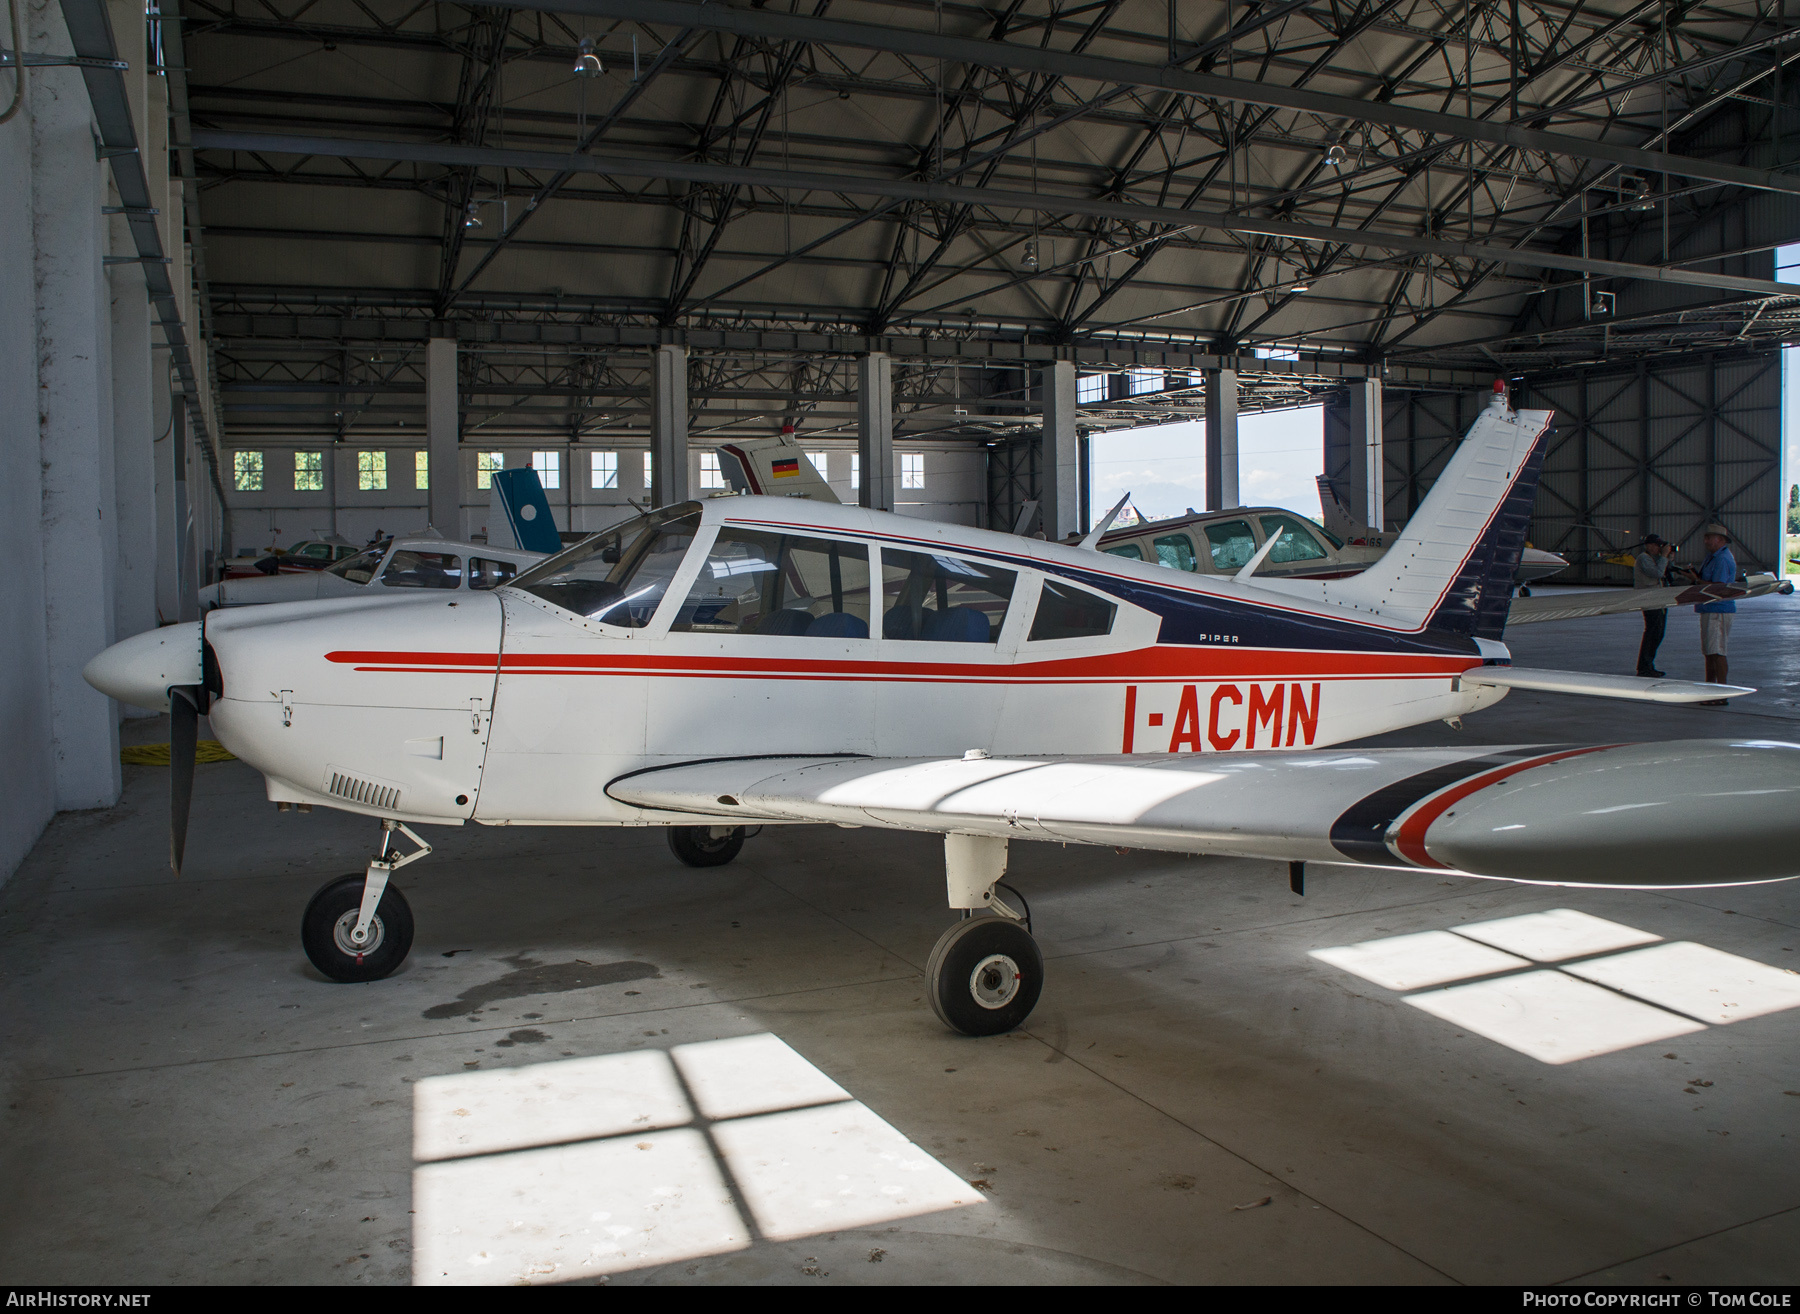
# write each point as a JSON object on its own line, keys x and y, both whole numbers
{"x": 1658, "y": 446}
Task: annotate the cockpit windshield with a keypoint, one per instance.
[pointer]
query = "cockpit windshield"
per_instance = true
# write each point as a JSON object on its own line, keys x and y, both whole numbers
{"x": 359, "y": 569}
{"x": 618, "y": 575}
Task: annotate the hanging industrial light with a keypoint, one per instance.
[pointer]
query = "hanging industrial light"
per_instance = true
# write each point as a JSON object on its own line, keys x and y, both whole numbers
{"x": 587, "y": 63}
{"x": 472, "y": 216}
{"x": 1335, "y": 156}
{"x": 1030, "y": 259}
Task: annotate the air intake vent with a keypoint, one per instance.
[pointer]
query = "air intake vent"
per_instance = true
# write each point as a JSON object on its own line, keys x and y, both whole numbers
{"x": 367, "y": 792}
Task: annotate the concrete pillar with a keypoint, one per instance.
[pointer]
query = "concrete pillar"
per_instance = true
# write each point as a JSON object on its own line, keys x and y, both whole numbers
{"x": 133, "y": 435}
{"x": 668, "y": 425}
{"x": 1059, "y": 458}
{"x": 875, "y": 430}
{"x": 77, "y": 516}
{"x": 1367, "y": 494}
{"x": 443, "y": 433}
{"x": 26, "y": 768}
{"x": 1221, "y": 440}
{"x": 162, "y": 425}
{"x": 187, "y": 467}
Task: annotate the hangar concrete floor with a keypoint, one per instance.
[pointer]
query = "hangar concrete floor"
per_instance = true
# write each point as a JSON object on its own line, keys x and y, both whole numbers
{"x": 1196, "y": 1099}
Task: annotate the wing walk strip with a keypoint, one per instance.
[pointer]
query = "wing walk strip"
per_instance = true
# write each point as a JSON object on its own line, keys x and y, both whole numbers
{"x": 1361, "y": 832}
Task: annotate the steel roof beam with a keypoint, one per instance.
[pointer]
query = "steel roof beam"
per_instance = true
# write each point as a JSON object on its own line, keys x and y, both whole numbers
{"x": 1098, "y": 68}
{"x": 693, "y": 171}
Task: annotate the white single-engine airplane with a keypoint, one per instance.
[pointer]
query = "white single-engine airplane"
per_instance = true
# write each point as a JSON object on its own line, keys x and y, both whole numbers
{"x": 754, "y": 660}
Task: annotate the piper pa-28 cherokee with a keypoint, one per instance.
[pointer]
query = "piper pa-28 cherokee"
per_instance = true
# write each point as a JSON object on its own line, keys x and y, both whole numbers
{"x": 757, "y": 660}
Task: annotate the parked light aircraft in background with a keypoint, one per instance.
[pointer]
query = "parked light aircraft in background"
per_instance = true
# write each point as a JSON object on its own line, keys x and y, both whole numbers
{"x": 414, "y": 562}
{"x": 757, "y": 660}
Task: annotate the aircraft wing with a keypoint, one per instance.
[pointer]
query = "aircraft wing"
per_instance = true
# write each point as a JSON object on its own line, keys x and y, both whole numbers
{"x": 1693, "y": 812}
{"x": 1605, "y": 602}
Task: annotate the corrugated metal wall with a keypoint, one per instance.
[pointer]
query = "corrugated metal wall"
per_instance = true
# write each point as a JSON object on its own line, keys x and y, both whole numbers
{"x": 1654, "y": 447}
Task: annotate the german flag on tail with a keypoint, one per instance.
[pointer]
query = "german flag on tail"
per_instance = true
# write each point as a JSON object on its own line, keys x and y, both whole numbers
{"x": 786, "y": 467}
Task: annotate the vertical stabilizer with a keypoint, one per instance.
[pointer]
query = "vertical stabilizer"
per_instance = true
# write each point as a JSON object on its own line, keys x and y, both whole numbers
{"x": 773, "y": 467}
{"x": 519, "y": 513}
{"x": 1451, "y": 569}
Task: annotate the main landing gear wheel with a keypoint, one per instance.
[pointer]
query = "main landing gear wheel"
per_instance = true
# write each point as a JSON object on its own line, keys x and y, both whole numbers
{"x": 984, "y": 976}
{"x": 706, "y": 846}
{"x": 326, "y": 926}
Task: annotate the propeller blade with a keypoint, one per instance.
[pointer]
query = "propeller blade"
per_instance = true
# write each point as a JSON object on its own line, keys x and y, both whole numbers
{"x": 184, "y": 738}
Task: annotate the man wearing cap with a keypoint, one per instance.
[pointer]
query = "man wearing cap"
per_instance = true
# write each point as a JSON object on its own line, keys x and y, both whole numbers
{"x": 1650, "y": 570}
{"x": 1720, "y": 567}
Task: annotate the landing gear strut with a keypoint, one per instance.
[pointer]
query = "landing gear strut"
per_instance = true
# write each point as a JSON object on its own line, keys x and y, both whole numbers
{"x": 985, "y": 973}
{"x": 359, "y": 928}
{"x": 706, "y": 846}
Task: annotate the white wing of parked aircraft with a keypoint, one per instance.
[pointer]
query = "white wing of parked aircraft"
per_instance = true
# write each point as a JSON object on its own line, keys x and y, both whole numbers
{"x": 759, "y": 660}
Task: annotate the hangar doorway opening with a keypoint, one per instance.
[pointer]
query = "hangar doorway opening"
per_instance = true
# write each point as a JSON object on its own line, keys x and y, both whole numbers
{"x": 1787, "y": 270}
{"x": 1163, "y": 466}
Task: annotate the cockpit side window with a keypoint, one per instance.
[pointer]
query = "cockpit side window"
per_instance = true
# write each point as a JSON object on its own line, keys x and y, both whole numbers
{"x": 1232, "y": 545}
{"x": 754, "y": 582}
{"x": 1175, "y": 551}
{"x": 423, "y": 570}
{"x": 359, "y": 569}
{"x": 1296, "y": 541}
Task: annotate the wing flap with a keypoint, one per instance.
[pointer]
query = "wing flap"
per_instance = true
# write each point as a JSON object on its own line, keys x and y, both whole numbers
{"x": 1635, "y": 688}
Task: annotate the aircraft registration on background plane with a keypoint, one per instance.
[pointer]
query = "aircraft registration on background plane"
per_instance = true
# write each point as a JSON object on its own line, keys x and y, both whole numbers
{"x": 751, "y": 660}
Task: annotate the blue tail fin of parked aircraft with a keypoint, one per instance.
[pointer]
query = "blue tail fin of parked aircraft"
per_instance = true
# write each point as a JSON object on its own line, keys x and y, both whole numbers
{"x": 519, "y": 514}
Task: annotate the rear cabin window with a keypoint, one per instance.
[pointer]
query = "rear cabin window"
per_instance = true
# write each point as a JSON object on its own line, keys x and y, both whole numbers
{"x": 943, "y": 599}
{"x": 1064, "y": 612}
{"x": 485, "y": 573}
{"x": 359, "y": 569}
{"x": 1232, "y": 545}
{"x": 784, "y": 585}
{"x": 1175, "y": 551}
{"x": 1130, "y": 551}
{"x": 1296, "y": 542}
{"x": 423, "y": 570}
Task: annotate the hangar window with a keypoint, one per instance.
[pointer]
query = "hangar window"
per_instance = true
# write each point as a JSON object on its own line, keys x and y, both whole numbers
{"x": 1295, "y": 543}
{"x": 780, "y": 584}
{"x": 856, "y": 472}
{"x": 421, "y": 470}
{"x": 647, "y": 471}
{"x": 371, "y": 471}
{"x": 487, "y": 465}
{"x": 710, "y": 475}
{"x": 912, "y": 470}
{"x": 309, "y": 472}
{"x": 423, "y": 570}
{"x": 943, "y": 599}
{"x": 620, "y": 576}
{"x": 247, "y": 471}
{"x": 549, "y": 468}
{"x": 1064, "y": 612}
{"x": 819, "y": 462}
{"x": 604, "y": 469}
{"x": 1092, "y": 387}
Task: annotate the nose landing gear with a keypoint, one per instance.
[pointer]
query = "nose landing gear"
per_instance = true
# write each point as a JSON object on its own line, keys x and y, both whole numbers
{"x": 985, "y": 973}
{"x": 360, "y": 928}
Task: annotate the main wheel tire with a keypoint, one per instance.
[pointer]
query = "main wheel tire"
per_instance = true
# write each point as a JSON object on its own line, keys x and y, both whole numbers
{"x": 984, "y": 976}
{"x": 326, "y": 925}
{"x": 697, "y": 846}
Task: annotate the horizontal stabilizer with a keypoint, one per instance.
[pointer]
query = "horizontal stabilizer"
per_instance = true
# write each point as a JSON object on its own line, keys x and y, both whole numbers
{"x": 1601, "y": 686}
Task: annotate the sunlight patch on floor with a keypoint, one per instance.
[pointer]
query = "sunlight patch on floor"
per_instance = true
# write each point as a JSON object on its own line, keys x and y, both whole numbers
{"x": 558, "y": 1171}
{"x": 1606, "y": 1002}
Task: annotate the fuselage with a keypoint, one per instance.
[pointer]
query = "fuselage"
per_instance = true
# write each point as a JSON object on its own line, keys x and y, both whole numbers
{"x": 785, "y": 626}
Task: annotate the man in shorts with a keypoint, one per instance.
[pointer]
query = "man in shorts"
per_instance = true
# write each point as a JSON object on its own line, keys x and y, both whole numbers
{"x": 1720, "y": 567}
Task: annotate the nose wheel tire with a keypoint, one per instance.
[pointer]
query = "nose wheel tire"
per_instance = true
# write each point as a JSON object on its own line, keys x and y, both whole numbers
{"x": 984, "y": 976}
{"x": 326, "y": 926}
{"x": 706, "y": 846}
